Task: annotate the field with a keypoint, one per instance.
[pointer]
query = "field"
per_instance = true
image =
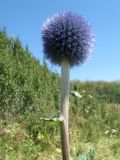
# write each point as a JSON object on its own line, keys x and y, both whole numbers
{"x": 94, "y": 133}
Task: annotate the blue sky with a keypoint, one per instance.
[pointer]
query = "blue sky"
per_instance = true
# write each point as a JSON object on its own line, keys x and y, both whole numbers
{"x": 24, "y": 18}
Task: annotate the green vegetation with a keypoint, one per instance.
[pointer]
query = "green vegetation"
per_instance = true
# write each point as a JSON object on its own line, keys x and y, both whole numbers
{"x": 30, "y": 94}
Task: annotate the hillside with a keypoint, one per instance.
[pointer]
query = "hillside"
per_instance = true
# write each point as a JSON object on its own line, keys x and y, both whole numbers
{"x": 24, "y": 83}
{"x": 28, "y": 91}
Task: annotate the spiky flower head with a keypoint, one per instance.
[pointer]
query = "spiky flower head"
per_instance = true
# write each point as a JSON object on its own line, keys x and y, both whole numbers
{"x": 67, "y": 36}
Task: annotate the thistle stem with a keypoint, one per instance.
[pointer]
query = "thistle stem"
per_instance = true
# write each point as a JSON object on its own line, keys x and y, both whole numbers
{"x": 65, "y": 75}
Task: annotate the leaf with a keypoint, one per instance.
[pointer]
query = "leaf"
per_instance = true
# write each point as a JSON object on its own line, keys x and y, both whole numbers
{"x": 87, "y": 156}
{"x": 74, "y": 93}
{"x": 52, "y": 119}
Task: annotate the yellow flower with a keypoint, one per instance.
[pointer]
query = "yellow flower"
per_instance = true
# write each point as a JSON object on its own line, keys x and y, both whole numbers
{"x": 52, "y": 157}
{"x": 10, "y": 148}
{"x": 58, "y": 150}
{"x": 40, "y": 136}
{"x": 73, "y": 149}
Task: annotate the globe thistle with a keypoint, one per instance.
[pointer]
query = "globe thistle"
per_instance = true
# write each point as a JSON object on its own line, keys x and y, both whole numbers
{"x": 67, "y": 40}
{"x": 67, "y": 36}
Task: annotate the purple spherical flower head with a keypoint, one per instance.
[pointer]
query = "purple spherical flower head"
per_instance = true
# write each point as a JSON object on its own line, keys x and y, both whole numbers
{"x": 67, "y": 36}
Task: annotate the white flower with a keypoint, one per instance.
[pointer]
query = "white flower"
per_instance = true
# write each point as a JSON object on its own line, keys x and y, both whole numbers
{"x": 89, "y": 96}
{"x": 106, "y": 132}
{"x": 83, "y": 91}
{"x": 113, "y": 131}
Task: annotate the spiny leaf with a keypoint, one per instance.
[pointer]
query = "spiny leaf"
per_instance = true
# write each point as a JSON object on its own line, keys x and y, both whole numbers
{"x": 87, "y": 156}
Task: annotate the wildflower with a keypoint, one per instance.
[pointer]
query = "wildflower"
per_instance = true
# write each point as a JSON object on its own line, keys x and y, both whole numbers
{"x": 90, "y": 96}
{"x": 113, "y": 131}
{"x": 10, "y": 148}
{"x": 83, "y": 91}
{"x": 58, "y": 150}
{"x": 40, "y": 136}
{"x": 67, "y": 36}
{"x": 106, "y": 132}
{"x": 6, "y": 131}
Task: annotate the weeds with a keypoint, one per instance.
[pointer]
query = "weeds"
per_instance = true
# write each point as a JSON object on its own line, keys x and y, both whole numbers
{"x": 32, "y": 136}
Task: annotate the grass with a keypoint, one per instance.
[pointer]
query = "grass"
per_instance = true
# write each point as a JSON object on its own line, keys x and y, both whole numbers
{"x": 18, "y": 145}
{"x": 96, "y": 128}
